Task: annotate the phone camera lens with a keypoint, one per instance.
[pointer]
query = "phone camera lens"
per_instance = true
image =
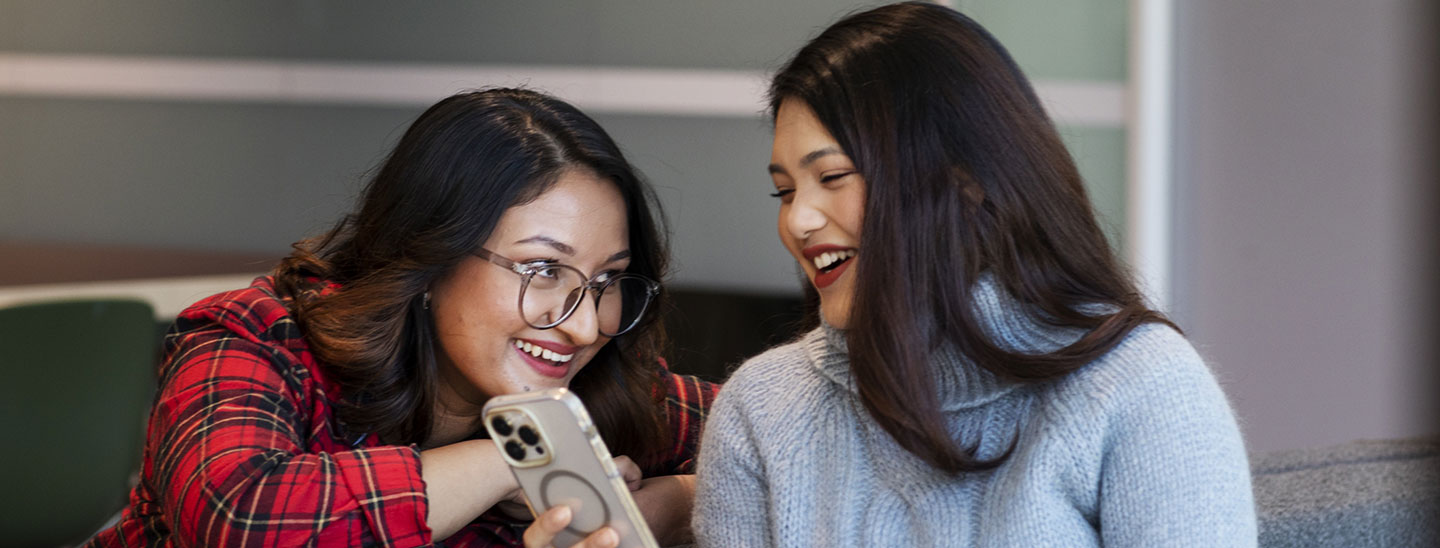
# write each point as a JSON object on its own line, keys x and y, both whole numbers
{"x": 501, "y": 425}
{"x": 528, "y": 435}
{"x": 515, "y": 450}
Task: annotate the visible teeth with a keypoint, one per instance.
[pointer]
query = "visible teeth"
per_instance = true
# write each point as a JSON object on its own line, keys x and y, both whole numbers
{"x": 544, "y": 353}
{"x": 829, "y": 258}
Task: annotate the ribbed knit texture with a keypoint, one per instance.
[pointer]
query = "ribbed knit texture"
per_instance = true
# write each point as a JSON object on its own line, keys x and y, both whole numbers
{"x": 1138, "y": 448}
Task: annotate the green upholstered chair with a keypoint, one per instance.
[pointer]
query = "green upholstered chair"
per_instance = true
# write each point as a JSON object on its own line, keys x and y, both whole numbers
{"x": 76, "y": 379}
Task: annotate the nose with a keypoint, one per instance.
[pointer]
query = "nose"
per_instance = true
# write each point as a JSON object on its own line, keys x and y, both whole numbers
{"x": 582, "y": 327}
{"x": 802, "y": 217}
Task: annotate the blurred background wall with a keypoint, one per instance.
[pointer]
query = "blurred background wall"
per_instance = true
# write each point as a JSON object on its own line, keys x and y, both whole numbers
{"x": 1298, "y": 154}
{"x": 1304, "y": 240}
{"x": 189, "y": 167}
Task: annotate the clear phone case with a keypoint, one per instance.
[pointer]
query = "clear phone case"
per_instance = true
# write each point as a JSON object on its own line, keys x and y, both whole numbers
{"x": 556, "y": 454}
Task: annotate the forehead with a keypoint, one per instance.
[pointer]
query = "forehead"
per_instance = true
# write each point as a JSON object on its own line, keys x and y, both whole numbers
{"x": 798, "y": 132}
{"x": 581, "y": 210}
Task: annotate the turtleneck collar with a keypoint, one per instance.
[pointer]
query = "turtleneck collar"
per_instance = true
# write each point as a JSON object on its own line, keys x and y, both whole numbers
{"x": 960, "y": 382}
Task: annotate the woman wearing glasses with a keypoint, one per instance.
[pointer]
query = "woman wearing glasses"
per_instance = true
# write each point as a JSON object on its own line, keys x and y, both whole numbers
{"x": 505, "y": 245}
{"x": 987, "y": 373}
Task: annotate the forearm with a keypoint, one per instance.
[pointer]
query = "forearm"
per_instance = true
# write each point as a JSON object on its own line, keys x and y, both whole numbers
{"x": 232, "y": 466}
{"x": 342, "y": 498}
{"x": 463, "y": 480}
{"x": 667, "y": 503}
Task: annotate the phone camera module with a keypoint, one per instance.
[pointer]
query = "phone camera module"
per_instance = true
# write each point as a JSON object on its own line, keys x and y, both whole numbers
{"x": 515, "y": 450}
{"x": 528, "y": 435}
{"x": 501, "y": 425}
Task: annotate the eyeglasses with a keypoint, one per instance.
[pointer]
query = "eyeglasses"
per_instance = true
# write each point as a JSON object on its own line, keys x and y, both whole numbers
{"x": 550, "y": 293}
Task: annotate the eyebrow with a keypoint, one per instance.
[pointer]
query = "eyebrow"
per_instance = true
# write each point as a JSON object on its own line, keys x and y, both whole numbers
{"x": 808, "y": 159}
{"x": 565, "y": 248}
{"x": 557, "y": 245}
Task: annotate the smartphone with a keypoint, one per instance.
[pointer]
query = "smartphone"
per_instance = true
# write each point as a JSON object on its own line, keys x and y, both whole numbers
{"x": 556, "y": 454}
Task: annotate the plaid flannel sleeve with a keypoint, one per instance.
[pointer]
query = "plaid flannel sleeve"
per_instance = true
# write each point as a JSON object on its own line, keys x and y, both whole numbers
{"x": 232, "y": 469}
{"x": 687, "y": 404}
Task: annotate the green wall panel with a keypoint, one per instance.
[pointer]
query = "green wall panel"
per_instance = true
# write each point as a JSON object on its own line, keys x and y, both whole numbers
{"x": 1081, "y": 39}
{"x": 176, "y": 174}
{"x": 1073, "y": 39}
{"x": 1100, "y": 155}
{"x": 747, "y": 34}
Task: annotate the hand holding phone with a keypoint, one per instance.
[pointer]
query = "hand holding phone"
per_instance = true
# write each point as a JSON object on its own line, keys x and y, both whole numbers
{"x": 558, "y": 458}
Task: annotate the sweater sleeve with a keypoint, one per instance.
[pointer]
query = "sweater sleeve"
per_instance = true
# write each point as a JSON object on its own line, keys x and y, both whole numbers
{"x": 687, "y": 407}
{"x": 731, "y": 496}
{"x": 1174, "y": 470}
{"x": 231, "y": 469}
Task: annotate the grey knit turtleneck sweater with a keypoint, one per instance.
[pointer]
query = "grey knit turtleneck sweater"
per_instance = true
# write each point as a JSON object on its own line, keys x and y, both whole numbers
{"x": 1138, "y": 448}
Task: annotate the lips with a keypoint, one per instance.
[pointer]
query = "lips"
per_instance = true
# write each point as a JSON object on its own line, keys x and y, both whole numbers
{"x": 547, "y": 358}
{"x": 837, "y": 259}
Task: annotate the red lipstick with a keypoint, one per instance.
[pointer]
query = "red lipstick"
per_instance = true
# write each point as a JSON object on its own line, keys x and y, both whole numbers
{"x": 823, "y": 279}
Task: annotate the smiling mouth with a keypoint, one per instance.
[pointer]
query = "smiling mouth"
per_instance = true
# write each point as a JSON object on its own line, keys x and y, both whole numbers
{"x": 543, "y": 353}
{"x": 830, "y": 264}
{"x": 831, "y": 260}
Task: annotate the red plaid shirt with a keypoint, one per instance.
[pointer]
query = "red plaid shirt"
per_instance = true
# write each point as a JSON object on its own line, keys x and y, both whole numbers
{"x": 244, "y": 449}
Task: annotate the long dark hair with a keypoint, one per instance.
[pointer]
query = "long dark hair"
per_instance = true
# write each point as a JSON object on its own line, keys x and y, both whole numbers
{"x": 965, "y": 174}
{"x": 356, "y": 290}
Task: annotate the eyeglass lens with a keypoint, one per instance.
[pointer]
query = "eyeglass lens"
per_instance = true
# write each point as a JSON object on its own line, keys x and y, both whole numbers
{"x": 553, "y": 291}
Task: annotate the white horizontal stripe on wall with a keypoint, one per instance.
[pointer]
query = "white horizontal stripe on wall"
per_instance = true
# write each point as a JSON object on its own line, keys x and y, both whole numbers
{"x": 666, "y": 92}
{"x": 168, "y": 296}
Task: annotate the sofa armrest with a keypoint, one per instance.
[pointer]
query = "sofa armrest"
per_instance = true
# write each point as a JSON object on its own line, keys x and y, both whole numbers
{"x": 1364, "y": 493}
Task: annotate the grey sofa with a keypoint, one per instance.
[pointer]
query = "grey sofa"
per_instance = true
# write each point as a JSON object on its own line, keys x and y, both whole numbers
{"x": 1364, "y": 493}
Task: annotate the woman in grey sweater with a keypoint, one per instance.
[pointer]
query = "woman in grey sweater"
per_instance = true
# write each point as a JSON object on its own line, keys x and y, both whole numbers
{"x": 985, "y": 372}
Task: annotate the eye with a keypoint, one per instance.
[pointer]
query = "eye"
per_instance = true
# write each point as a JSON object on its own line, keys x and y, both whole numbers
{"x": 782, "y": 193}
{"x": 834, "y": 176}
{"x": 543, "y": 268}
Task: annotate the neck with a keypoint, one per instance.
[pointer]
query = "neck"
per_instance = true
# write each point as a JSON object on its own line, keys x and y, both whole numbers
{"x": 960, "y": 383}
{"x": 452, "y": 419}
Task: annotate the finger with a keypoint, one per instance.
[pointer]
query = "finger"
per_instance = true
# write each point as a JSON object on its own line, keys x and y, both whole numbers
{"x": 604, "y": 538}
{"x": 629, "y": 471}
{"x": 541, "y": 533}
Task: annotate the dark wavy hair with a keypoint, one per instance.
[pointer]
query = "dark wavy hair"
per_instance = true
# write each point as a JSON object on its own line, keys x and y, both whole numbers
{"x": 433, "y": 201}
{"x": 965, "y": 174}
